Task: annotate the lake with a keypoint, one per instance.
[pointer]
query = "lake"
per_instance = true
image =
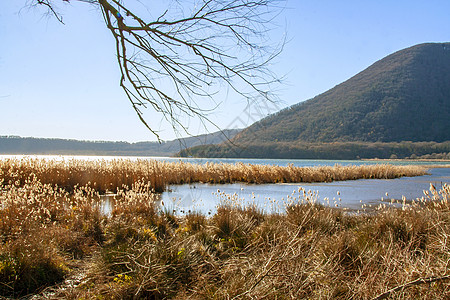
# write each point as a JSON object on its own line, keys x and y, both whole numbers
{"x": 352, "y": 194}
{"x": 347, "y": 194}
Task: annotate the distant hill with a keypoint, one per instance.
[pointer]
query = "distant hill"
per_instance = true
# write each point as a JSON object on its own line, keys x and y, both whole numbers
{"x": 399, "y": 106}
{"x": 402, "y": 97}
{"x": 21, "y": 145}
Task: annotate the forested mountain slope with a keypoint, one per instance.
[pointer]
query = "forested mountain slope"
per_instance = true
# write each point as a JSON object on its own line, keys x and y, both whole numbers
{"x": 402, "y": 97}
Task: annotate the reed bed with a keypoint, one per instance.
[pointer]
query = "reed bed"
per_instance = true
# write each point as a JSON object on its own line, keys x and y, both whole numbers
{"x": 43, "y": 230}
{"x": 103, "y": 175}
{"x": 52, "y": 230}
{"x": 144, "y": 251}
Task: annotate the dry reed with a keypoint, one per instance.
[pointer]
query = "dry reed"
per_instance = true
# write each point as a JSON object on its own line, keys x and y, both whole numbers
{"x": 144, "y": 251}
{"x": 103, "y": 175}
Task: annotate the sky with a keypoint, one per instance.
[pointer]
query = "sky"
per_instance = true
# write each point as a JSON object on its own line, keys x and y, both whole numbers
{"x": 62, "y": 80}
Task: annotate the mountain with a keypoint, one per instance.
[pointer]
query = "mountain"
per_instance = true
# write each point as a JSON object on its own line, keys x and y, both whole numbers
{"x": 21, "y": 145}
{"x": 399, "y": 107}
{"x": 402, "y": 97}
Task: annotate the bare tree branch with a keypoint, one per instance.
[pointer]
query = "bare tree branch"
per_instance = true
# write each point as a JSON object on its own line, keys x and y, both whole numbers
{"x": 179, "y": 63}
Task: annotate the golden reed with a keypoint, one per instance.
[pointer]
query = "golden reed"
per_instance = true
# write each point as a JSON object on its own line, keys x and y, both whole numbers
{"x": 110, "y": 175}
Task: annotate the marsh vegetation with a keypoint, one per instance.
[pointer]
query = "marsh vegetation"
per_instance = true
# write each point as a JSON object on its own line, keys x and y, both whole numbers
{"x": 52, "y": 231}
{"x": 103, "y": 175}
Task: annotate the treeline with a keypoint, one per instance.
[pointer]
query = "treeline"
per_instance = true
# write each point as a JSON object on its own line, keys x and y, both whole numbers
{"x": 19, "y": 145}
{"x": 30, "y": 146}
{"x": 335, "y": 150}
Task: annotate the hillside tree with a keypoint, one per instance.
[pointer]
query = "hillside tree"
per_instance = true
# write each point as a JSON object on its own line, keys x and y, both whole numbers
{"x": 179, "y": 61}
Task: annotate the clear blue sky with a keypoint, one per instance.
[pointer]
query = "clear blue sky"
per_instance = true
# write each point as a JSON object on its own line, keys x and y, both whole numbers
{"x": 61, "y": 81}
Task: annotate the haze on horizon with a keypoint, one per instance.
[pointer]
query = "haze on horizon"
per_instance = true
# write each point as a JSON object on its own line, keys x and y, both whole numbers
{"x": 62, "y": 81}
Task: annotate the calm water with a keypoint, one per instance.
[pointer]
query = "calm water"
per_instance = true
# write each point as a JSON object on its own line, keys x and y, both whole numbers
{"x": 352, "y": 194}
{"x": 349, "y": 194}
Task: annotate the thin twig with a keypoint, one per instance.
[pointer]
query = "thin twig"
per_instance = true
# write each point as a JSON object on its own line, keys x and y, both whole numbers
{"x": 408, "y": 284}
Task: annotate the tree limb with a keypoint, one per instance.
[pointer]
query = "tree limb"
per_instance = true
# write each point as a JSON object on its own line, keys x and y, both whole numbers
{"x": 179, "y": 63}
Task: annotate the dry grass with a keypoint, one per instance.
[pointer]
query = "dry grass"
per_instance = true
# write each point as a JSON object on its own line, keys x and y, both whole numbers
{"x": 311, "y": 251}
{"x": 42, "y": 230}
{"x": 104, "y": 175}
{"x": 143, "y": 251}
